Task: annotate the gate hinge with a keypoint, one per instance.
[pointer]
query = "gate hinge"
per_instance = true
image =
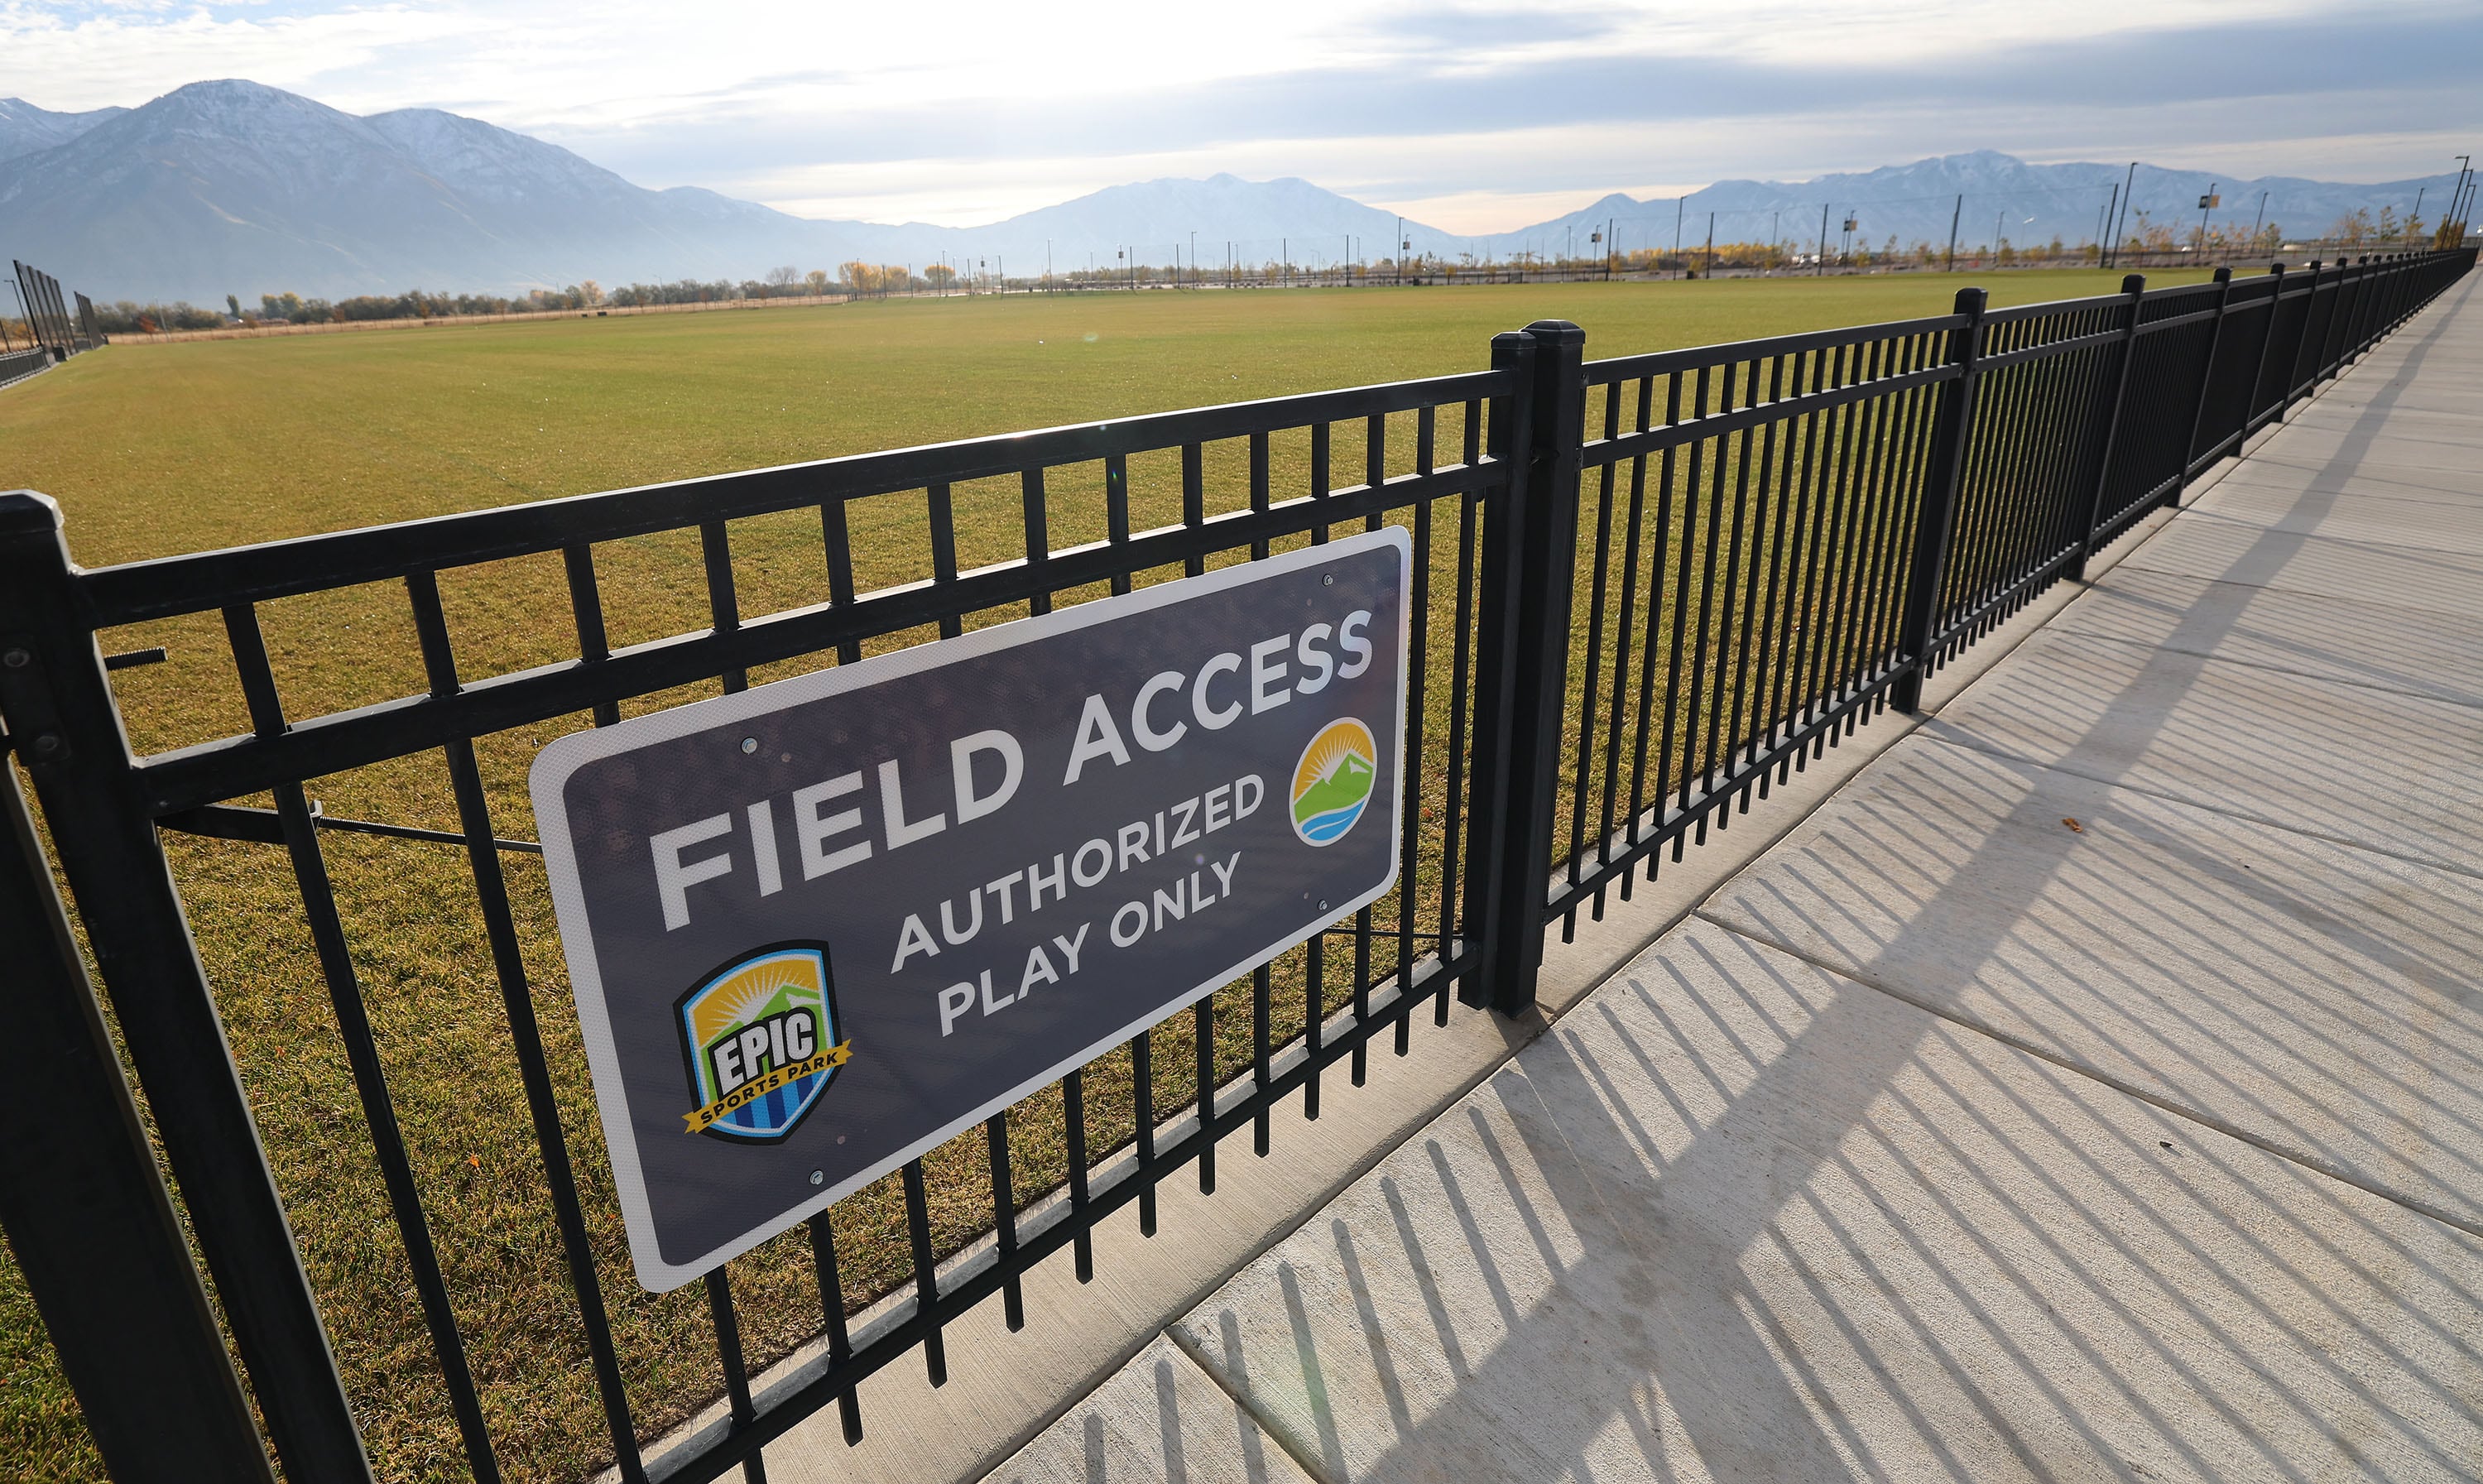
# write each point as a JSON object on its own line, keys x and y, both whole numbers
{"x": 26, "y": 703}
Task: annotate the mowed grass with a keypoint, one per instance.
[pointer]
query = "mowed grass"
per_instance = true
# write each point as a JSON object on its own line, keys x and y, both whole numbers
{"x": 158, "y": 450}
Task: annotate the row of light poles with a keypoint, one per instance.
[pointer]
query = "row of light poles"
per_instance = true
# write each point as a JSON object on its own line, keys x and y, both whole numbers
{"x": 2111, "y": 224}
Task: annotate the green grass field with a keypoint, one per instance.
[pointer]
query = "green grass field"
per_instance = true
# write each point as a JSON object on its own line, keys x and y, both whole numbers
{"x": 158, "y": 450}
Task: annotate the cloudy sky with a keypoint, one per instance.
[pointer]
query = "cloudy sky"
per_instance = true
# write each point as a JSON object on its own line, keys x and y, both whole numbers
{"x": 1471, "y": 117}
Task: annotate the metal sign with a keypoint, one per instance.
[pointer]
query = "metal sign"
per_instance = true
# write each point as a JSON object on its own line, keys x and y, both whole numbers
{"x": 816, "y": 928}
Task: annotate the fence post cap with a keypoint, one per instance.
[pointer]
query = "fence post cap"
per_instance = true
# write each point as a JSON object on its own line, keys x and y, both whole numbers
{"x": 24, "y": 512}
{"x": 1557, "y": 333}
{"x": 1970, "y": 299}
{"x": 2133, "y": 283}
{"x": 2224, "y": 276}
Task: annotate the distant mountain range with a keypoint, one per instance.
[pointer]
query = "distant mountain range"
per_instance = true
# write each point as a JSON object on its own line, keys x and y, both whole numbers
{"x": 232, "y": 187}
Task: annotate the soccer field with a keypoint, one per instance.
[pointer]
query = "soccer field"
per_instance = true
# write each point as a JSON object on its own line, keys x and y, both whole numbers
{"x": 157, "y": 450}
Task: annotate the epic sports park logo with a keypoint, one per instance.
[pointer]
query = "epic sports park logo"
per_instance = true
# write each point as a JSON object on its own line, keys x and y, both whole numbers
{"x": 1332, "y": 782}
{"x": 760, "y": 1038}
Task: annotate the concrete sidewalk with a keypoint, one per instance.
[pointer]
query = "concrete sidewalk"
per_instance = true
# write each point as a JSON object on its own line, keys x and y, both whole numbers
{"x": 2092, "y": 1088}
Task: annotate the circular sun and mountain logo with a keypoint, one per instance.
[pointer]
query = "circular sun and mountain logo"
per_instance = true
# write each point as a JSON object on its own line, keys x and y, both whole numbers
{"x": 1333, "y": 782}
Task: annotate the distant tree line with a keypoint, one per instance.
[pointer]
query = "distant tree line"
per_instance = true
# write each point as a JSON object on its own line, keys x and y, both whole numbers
{"x": 856, "y": 280}
{"x": 129, "y": 317}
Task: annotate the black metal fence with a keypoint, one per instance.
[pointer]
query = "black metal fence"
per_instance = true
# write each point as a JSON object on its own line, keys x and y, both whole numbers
{"x": 1644, "y": 589}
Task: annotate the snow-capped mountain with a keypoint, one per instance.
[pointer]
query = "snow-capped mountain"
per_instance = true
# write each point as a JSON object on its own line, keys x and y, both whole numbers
{"x": 230, "y": 187}
{"x": 234, "y": 188}
{"x": 25, "y": 128}
{"x": 1920, "y": 202}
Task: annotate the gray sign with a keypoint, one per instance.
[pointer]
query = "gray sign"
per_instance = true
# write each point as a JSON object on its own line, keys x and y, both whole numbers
{"x": 816, "y": 928}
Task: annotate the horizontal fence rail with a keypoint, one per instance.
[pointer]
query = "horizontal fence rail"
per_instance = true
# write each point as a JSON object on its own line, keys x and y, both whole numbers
{"x": 1645, "y": 589}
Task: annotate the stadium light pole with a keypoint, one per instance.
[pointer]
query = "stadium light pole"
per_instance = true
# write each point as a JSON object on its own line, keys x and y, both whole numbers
{"x": 2261, "y": 223}
{"x": 2128, "y": 194}
{"x": 1818, "y": 268}
{"x": 1955, "y": 215}
{"x": 1677, "y": 205}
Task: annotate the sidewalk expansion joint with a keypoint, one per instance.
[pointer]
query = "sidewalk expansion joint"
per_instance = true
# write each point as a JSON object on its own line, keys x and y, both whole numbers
{"x": 1265, "y": 1420}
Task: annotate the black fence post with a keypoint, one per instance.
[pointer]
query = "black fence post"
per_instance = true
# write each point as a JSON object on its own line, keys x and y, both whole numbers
{"x": 87, "y": 1213}
{"x": 1926, "y": 573}
{"x": 2294, "y": 379}
{"x": 2206, "y": 382}
{"x": 2377, "y": 321}
{"x": 2134, "y": 286}
{"x": 1499, "y": 566}
{"x": 2266, "y": 345}
{"x": 60, "y": 709}
{"x": 2401, "y": 295}
{"x": 1525, "y": 617}
{"x": 2339, "y": 330}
